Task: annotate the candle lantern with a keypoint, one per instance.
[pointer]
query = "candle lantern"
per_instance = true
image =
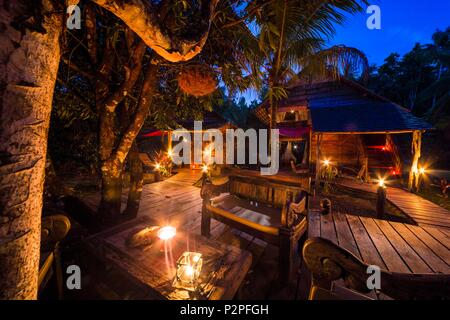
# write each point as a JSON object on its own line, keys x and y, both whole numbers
{"x": 189, "y": 266}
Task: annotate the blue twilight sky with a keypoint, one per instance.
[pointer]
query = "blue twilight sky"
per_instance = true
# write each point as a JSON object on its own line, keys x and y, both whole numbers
{"x": 403, "y": 24}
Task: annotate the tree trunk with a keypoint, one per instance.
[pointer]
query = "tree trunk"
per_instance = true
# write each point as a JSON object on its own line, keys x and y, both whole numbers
{"x": 111, "y": 172}
{"x": 29, "y": 59}
{"x": 136, "y": 182}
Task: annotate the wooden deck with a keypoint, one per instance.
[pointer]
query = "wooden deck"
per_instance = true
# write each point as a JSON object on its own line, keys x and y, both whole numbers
{"x": 177, "y": 201}
{"x": 393, "y": 246}
{"x": 423, "y": 212}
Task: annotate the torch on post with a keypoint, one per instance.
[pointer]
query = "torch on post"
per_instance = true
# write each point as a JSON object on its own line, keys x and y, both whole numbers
{"x": 381, "y": 199}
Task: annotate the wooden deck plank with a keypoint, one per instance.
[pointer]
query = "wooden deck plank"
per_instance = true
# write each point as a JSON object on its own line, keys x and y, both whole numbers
{"x": 327, "y": 228}
{"x": 427, "y": 255}
{"x": 431, "y": 242}
{"x": 366, "y": 247}
{"x": 422, "y": 211}
{"x": 314, "y": 224}
{"x": 390, "y": 256}
{"x": 408, "y": 255}
{"x": 439, "y": 235}
{"x": 345, "y": 235}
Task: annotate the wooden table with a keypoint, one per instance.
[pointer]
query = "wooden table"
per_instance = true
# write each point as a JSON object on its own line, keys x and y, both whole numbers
{"x": 393, "y": 246}
{"x": 224, "y": 267}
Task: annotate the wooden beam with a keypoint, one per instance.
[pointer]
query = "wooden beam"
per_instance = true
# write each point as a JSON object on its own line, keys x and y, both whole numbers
{"x": 318, "y": 142}
{"x": 169, "y": 140}
{"x": 416, "y": 145}
{"x": 369, "y": 132}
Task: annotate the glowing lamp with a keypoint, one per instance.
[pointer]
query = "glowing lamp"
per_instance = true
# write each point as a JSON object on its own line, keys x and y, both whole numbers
{"x": 326, "y": 162}
{"x": 189, "y": 266}
{"x": 381, "y": 182}
{"x": 167, "y": 233}
{"x": 205, "y": 168}
{"x": 157, "y": 166}
{"x": 295, "y": 146}
{"x": 422, "y": 170}
{"x": 170, "y": 153}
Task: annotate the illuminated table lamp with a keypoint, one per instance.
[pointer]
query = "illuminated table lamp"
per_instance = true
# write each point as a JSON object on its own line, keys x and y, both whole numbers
{"x": 189, "y": 266}
{"x": 167, "y": 233}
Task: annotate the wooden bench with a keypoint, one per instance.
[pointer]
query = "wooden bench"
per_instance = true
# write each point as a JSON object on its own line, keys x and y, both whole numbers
{"x": 262, "y": 207}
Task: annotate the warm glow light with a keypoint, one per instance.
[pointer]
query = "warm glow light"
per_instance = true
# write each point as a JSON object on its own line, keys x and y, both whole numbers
{"x": 381, "y": 182}
{"x": 292, "y": 111}
{"x": 189, "y": 271}
{"x": 167, "y": 232}
{"x": 170, "y": 153}
{"x": 157, "y": 166}
{"x": 422, "y": 170}
{"x": 326, "y": 162}
{"x": 295, "y": 146}
{"x": 205, "y": 168}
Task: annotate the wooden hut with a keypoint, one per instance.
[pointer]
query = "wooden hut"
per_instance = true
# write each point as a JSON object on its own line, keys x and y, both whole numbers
{"x": 346, "y": 123}
{"x": 211, "y": 120}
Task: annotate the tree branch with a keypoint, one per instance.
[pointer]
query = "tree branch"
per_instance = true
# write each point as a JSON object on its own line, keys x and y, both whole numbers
{"x": 140, "y": 17}
{"x": 148, "y": 88}
{"x": 132, "y": 71}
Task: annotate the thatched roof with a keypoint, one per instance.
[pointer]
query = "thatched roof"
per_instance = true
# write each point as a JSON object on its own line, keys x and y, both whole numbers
{"x": 344, "y": 107}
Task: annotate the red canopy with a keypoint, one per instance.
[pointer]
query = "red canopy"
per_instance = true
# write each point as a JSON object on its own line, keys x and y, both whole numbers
{"x": 294, "y": 132}
{"x": 157, "y": 133}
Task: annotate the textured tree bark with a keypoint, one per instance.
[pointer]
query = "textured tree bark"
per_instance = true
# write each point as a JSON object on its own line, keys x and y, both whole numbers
{"x": 110, "y": 205}
{"x": 29, "y": 59}
{"x": 140, "y": 17}
{"x": 136, "y": 182}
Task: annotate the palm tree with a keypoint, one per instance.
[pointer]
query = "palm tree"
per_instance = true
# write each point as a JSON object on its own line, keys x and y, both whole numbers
{"x": 292, "y": 36}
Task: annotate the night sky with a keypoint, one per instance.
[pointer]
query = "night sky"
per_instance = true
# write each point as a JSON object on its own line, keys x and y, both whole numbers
{"x": 403, "y": 23}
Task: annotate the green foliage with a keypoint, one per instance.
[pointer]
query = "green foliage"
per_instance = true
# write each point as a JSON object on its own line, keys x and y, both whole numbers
{"x": 163, "y": 163}
{"x": 420, "y": 80}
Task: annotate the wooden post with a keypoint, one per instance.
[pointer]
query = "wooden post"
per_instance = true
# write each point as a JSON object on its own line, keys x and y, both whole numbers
{"x": 381, "y": 201}
{"x": 318, "y": 141}
{"x": 310, "y": 149}
{"x": 169, "y": 140}
{"x": 415, "y": 150}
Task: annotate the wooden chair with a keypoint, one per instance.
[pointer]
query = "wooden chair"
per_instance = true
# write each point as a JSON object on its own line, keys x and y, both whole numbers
{"x": 53, "y": 229}
{"x": 328, "y": 262}
{"x": 271, "y": 211}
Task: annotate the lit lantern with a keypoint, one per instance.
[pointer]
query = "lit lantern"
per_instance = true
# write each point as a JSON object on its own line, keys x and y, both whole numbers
{"x": 167, "y": 233}
{"x": 189, "y": 266}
